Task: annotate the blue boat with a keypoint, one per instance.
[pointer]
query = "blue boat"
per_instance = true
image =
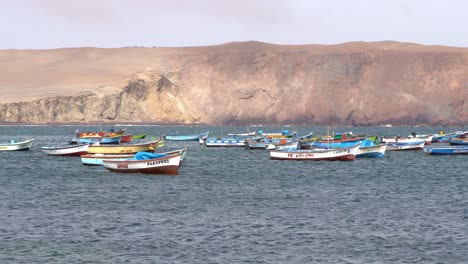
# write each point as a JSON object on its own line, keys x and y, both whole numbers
{"x": 192, "y": 137}
{"x": 100, "y": 140}
{"x": 444, "y": 138}
{"x": 460, "y": 139}
{"x": 457, "y": 150}
{"x": 368, "y": 149}
{"x": 337, "y": 144}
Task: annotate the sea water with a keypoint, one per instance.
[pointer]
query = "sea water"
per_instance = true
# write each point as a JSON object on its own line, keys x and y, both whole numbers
{"x": 232, "y": 205}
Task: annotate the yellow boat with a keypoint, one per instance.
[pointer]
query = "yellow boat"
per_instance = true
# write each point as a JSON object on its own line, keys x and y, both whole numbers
{"x": 123, "y": 149}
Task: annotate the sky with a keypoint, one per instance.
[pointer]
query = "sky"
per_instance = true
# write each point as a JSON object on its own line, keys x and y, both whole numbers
{"x": 48, "y": 24}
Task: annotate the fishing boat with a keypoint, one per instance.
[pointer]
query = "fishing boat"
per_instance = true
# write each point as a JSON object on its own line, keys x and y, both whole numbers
{"x": 426, "y": 138}
{"x": 332, "y": 154}
{"x": 75, "y": 150}
{"x": 101, "y": 140}
{"x": 242, "y": 135}
{"x": 16, "y": 146}
{"x": 96, "y": 159}
{"x": 224, "y": 142}
{"x": 292, "y": 145}
{"x": 162, "y": 164}
{"x": 444, "y": 138}
{"x": 372, "y": 151}
{"x": 335, "y": 143}
{"x": 126, "y": 139}
{"x": 266, "y": 139}
{"x": 123, "y": 149}
{"x": 456, "y": 150}
{"x": 100, "y": 133}
{"x": 192, "y": 137}
{"x": 413, "y": 145}
{"x": 460, "y": 139}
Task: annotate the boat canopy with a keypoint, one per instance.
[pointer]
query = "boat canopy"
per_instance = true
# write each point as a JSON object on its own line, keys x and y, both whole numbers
{"x": 148, "y": 155}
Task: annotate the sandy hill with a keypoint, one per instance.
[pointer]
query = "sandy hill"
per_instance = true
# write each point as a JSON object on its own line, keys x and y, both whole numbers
{"x": 359, "y": 83}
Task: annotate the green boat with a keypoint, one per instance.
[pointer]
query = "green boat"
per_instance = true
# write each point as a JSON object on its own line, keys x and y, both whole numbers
{"x": 139, "y": 136}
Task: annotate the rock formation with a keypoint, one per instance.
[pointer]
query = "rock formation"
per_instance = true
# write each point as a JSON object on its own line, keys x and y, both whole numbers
{"x": 238, "y": 83}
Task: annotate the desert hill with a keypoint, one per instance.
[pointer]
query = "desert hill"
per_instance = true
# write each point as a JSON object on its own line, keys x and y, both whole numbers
{"x": 358, "y": 83}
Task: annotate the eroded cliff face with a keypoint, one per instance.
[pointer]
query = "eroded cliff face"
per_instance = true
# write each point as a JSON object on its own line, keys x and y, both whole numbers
{"x": 251, "y": 82}
{"x": 148, "y": 97}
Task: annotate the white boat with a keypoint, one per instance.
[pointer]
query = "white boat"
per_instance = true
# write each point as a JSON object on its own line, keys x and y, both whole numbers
{"x": 242, "y": 135}
{"x": 16, "y": 146}
{"x": 341, "y": 154}
{"x": 224, "y": 142}
{"x": 411, "y": 139}
{"x": 163, "y": 165}
{"x": 416, "y": 145}
{"x": 73, "y": 150}
{"x": 292, "y": 145}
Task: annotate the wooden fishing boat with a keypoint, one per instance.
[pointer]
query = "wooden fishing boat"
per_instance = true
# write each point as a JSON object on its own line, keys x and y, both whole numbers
{"x": 372, "y": 151}
{"x": 266, "y": 141}
{"x": 126, "y": 139}
{"x": 16, "y": 146}
{"x": 123, "y": 149}
{"x": 338, "y": 154}
{"x": 110, "y": 133}
{"x": 192, "y": 137}
{"x": 427, "y": 139}
{"x": 75, "y": 150}
{"x": 103, "y": 140}
{"x": 457, "y": 150}
{"x": 224, "y": 142}
{"x": 460, "y": 139}
{"x": 291, "y": 145}
{"x": 242, "y": 135}
{"x": 139, "y": 136}
{"x": 96, "y": 159}
{"x": 336, "y": 143}
{"x": 165, "y": 164}
{"x": 96, "y": 139}
{"x": 283, "y": 134}
{"x": 414, "y": 145}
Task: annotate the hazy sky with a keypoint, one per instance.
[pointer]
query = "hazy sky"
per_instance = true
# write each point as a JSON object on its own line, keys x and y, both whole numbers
{"x": 43, "y": 24}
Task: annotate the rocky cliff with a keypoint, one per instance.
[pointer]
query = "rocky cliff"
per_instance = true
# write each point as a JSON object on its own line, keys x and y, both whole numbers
{"x": 238, "y": 83}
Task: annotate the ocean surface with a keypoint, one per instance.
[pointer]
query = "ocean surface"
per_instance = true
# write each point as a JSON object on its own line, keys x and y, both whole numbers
{"x": 232, "y": 205}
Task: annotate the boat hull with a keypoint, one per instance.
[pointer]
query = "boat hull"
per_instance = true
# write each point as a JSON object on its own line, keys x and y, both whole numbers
{"x": 397, "y": 146}
{"x": 194, "y": 137}
{"x": 339, "y": 154}
{"x": 458, "y": 141}
{"x": 377, "y": 151}
{"x": 224, "y": 142}
{"x": 75, "y": 150}
{"x": 427, "y": 139}
{"x": 446, "y": 151}
{"x": 167, "y": 165}
{"x": 18, "y": 146}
